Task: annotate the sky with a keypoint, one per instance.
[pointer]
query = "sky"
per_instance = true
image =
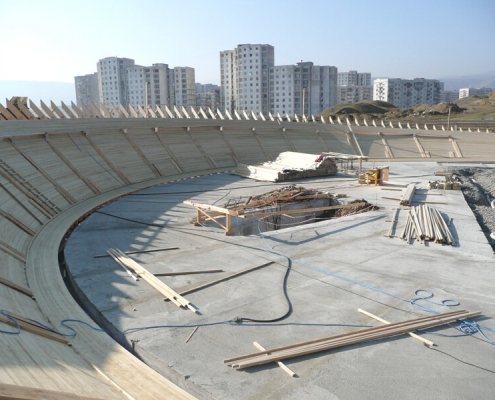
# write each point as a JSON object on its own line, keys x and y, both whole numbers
{"x": 55, "y": 40}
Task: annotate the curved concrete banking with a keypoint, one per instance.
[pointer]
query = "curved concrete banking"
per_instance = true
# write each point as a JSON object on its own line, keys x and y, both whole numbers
{"x": 52, "y": 172}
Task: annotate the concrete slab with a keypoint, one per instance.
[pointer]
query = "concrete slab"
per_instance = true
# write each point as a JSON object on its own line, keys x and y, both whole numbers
{"x": 337, "y": 266}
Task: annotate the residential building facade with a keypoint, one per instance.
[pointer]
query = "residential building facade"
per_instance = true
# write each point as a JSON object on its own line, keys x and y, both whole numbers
{"x": 405, "y": 93}
{"x": 208, "y": 96}
{"x": 467, "y": 92}
{"x": 449, "y": 96}
{"x": 121, "y": 81}
{"x": 87, "y": 89}
{"x": 353, "y": 87}
{"x": 244, "y": 77}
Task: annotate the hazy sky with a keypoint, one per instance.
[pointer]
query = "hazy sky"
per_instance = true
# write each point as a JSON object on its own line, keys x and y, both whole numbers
{"x": 55, "y": 40}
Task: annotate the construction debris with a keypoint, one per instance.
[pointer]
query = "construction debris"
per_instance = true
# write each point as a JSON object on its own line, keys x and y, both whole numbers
{"x": 425, "y": 223}
{"x": 354, "y": 207}
{"x": 291, "y": 165}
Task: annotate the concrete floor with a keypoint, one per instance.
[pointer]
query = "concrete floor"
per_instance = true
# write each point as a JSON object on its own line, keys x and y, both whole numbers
{"x": 338, "y": 266}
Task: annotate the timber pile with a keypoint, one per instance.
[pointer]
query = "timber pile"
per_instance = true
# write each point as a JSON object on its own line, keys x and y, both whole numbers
{"x": 128, "y": 263}
{"x": 408, "y": 195}
{"x": 426, "y": 223}
{"x": 286, "y": 194}
{"x": 346, "y": 339}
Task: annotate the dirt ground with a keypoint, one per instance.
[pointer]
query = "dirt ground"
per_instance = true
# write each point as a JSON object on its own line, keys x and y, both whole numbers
{"x": 478, "y": 186}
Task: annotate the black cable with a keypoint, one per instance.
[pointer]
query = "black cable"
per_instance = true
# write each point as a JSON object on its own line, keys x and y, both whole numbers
{"x": 462, "y": 361}
{"x": 287, "y": 299}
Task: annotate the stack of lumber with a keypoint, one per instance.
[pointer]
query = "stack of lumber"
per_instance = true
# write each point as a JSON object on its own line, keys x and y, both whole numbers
{"x": 426, "y": 223}
{"x": 128, "y": 263}
{"x": 286, "y": 194}
{"x": 408, "y": 195}
{"x": 346, "y": 339}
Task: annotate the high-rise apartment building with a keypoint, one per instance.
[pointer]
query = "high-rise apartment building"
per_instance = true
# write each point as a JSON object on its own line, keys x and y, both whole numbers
{"x": 302, "y": 89}
{"x": 208, "y": 95}
{"x": 354, "y": 78}
{"x": 112, "y": 80}
{"x": 121, "y": 81}
{"x": 244, "y": 77}
{"x": 87, "y": 89}
{"x": 250, "y": 81}
{"x": 354, "y": 86}
{"x": 405, "y": 93}
{"x": 182, "y": 86}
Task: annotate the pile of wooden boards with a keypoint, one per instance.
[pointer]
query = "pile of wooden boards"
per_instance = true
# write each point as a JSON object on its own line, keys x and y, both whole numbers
{"x": 407, "y": 198}
{"x": 425, "y": 223}
{"x": 129, "y": 264}
{"x": 346, "y": 339}
{"x": 286, "y": 194}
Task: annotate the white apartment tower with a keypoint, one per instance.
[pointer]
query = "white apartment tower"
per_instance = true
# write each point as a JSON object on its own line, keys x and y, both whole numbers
{"x": 354, "y": 78}
{"x": 87, "y": 89}
{"x": 244, "y": 77}
{"x": 147, "y": 85}
{"x": 405, "y": 93}
{"x": 354, "y": 86}
{"x": 182, "y": 86}
{"x": 300, "y": 89}
{"x": 112, "y": 82}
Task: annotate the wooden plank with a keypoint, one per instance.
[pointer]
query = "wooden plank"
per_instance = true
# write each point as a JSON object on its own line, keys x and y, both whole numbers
{"x": 22, "y": 107}
{"x": 133, "y": 111}
{"x": 17, "y": 222}
{"x": 225, "y": 278}
{"x": 207, "y": 271}
{"x": 14, "y": 110}
{"x": 16, "y": 392}
{"x": 28, "y": 326}
{"x": 284, "y": 367}
{"x": 142, "y": 155}
{"x": 139, "y": 252}
{"x": 95, "y": 110}
{"x": 68, "y": 111}
{"x": 76, "y": 109}
{"x": 361, "y": 336}
{"x": 124, "y": 111}
{"x": 69, "y": 164}
{"x": 115, "y": 111}
{"x": 287, "y": 212}
{"x": 57, "y": 186}
{"x": 47, "y": 110}
{"x": 141, "y": 111}
{"x": 57, "y": 110}
{"x": 106, "y": 113}
{"x": 192, "y": 333}
{"x": 207, "y": 207}
{"x": 6, "y": 113}
{"x": 412, "y": 334}
{"x": 109, "y": 163}
{"x": 171, "y": 154}
{"x": 15, "y": 286}
{"x": 22, "y": 204}
{"x": 35, "y": 201}
{"x": 11, "y": 251}
{"x": 86, "y": 111}
{"x": 164, "y": 289}
{"x": 38, "y": 112}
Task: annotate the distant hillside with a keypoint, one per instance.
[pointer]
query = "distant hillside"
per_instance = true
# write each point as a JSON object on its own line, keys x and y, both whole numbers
{"x": 479, "y": 80}
{"x": 474, "y": 107}
{"x": 37, "y": 91}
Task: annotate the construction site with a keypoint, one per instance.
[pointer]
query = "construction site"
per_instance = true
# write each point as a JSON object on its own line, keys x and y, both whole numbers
{"x": 180, "y": 254}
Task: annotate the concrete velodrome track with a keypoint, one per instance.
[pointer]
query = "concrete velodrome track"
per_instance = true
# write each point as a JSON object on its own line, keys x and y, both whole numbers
{"x": 55, "y": 172}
